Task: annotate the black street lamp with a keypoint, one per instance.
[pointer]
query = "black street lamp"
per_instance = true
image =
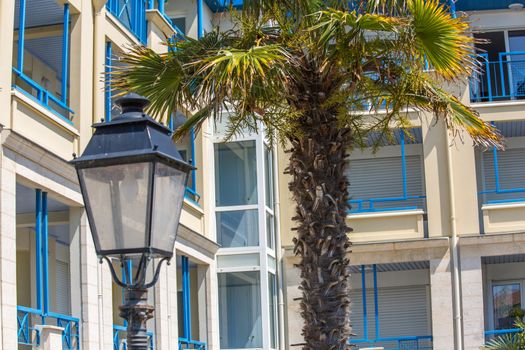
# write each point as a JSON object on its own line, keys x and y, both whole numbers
{"x": 132, "y": 180}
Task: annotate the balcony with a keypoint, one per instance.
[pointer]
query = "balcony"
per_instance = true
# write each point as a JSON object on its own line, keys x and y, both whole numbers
{"x": 387, "y": 188}
{"x": 502, "y": 79}
{"x": 132, "y": 14}
{"x": 45, "y": 268}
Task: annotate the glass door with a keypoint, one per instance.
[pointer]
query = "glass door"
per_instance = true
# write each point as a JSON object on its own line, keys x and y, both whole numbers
{"x": 505, "y": 298}
{"x": 517, "y": 63}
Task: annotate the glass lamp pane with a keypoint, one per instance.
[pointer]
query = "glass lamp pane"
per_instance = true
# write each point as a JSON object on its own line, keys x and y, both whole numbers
{"x": 118, "y": 200}
{"x": 168, "y": 190}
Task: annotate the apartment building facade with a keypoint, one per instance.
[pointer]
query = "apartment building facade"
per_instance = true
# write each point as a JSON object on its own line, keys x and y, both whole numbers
{"x": 439, "y": 238}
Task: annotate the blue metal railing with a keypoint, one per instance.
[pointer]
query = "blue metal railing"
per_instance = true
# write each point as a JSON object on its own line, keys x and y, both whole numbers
{"x": 132, "y": 14}
{"x": 29, "y": 319}
{"x": 191, "y": 344}
{"x": 119, "y": 336}
{"x": 503, "y": 79}
{"x": 490, "y": 334}
{"x": 367, "y": 205}
{"x": 47, "y": 99}
{"x": 423, "y": 342}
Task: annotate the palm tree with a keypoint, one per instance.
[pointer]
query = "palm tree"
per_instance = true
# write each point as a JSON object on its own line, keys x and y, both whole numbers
{"x": 319, "y": 75}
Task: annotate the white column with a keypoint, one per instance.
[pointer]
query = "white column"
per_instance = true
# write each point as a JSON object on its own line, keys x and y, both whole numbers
{"x": 50, "y": 337}
{"x": 441, "y": 303}
{"x": 472, "y": 302}
{"x": 107, "y": 306}
{"x": 91, "y": 320}
{"x": 202, "y": 273}
{"x": 8, "y": 322}
{"x": 294, "y": 322}
{"x": 212, "y": 302}
{"x": 7, "y": 11}
{"x": 166, "y": 337}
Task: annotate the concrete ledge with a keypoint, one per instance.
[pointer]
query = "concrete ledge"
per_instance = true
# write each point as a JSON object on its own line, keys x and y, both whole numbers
{"x": 503, "y": 206}
{"x": 385, "y": 214}
{"x": 390, "y": 252}
{"x": 155, "y": 17}
{"x": 121, "y": 28}
{"x": 386, "y": 226}
{"x": 44, "y": 112}
{"x": 503, "y": 218}
{"x": 495, "y": 238}
{"x": 195, "y": 241}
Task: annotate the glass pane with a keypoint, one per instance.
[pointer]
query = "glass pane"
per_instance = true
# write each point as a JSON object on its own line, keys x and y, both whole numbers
{"x": 268, "y": 176}
{"x": 272, "y": 295}
{"x": 240, "y": 310}
{"x": 517, "y": 62}
{"x": 270, "y": 229}
{"x": 505, "y": 298}
{"x": 235, "y": 173}
{"x": 118, "y": 197}
{"x": 167, "y": 205}
{"x": 238, "y": 228}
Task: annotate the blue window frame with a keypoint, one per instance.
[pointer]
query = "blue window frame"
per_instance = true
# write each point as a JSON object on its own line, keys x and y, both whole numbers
{"x": 419, "y": 341}
{"x": 132, "y": 14}
{"x": 28, "y": 318}
{"x": 500, "y": 172}
{"x": 188, "y": 153}
{"x": 186, "y": 341}
{"x": 108, "y": 94}
{"x": 404, "y": 193}
{"x": 51, "y": 50}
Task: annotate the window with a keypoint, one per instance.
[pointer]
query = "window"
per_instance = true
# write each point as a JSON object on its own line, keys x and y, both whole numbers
{"x": 268, "y": 177}
{"x": 179, "y": 23}
{"x": 236, "y": 194}
{"x": 272, "y": 305}
{"x": 238, "y": 228}
{"x": 391, "y": 179}
{"x": 500, "y": 173}
{"x": 505, "y": 297}
{"x": 240, "y": 310}
{"x": 235, "y": 173}
{"x": 41, "y": 54}
{"x": 270, "y": 230}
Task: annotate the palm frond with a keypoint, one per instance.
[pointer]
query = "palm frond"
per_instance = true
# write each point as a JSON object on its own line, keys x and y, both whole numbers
{"x": 503, "y": 342}
{"x": 441, "y": 39}
{"x": 157, "y": 77}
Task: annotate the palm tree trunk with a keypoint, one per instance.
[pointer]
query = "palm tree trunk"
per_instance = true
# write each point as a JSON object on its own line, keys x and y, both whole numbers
{"x": 320, "y": 190}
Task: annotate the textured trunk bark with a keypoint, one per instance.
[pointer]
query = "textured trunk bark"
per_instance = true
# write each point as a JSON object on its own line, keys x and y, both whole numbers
{"x": 320, "y": 189}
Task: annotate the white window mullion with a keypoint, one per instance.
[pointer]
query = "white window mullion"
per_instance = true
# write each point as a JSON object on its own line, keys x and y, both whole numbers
{"x": 261, "y": 200}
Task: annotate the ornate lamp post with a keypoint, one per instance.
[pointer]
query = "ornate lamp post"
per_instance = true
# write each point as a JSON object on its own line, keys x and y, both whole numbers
{"x": 132, "y": 180}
